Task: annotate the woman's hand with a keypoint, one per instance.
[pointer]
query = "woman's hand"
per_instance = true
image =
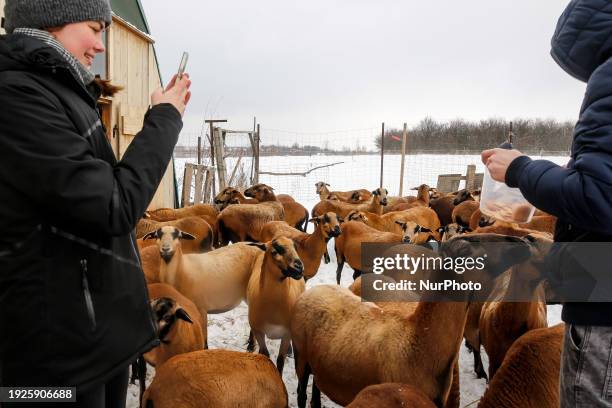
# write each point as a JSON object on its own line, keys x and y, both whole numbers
{"x": 176, "y": 93}
{"x": 498, "y": 160}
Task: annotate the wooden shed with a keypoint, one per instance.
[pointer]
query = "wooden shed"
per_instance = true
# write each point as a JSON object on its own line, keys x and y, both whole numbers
{"x": 129, "y": 61}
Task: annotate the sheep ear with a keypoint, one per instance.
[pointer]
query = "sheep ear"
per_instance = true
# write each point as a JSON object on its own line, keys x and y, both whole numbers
{"x": 186, "y": 235}
{"x": 146, "y": 215}
{"x": 355, "y": 195}
{"x": 315, "y": 220}
{"x": 340, "y": 219}
{"x": 327, "y": 185}
{"x": 150, "y": 235}
{"x": 400, "y": 223}
{"x": 386, "y": 192}
{"x": 183, "y": 315}
{"x": 423, "y": 229}
{"x": 259, "y": 245}
{"x": 375, "y": 192}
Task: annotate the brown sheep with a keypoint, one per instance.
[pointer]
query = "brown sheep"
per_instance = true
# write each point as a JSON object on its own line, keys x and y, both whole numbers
{"x": 544, "y": 223}
{"x": 462, "y": 213}
{"x": 180, "y": 326}
{"x": 445, "y": 205}
{"x": 404, "y": 203}
{"x": 150, "y": 261}
{"x": 311, "y": 247}
{"x": 423, "y": 216}
{"x": 417, "y": 347}
{"x": 231, "y": 195}
{"x": 169, "y": 214}
{"x": 215, "y": 281}
{"x": 448, "y": 231}
{"x": 391, "y": 395}
{"x": 354, "y": 233}
{"x": 529, "y": 374}
{"x": 502, "y": 322}
{"x": 379, "y": 200}
{"x": 296, "y": 214}
{"x": 216, "y": 378}
{"x": 359, "y": 196}
{"x": 194, "y": 225}
{"x": 243, "y": 222}
{"x": 275, "y": 285}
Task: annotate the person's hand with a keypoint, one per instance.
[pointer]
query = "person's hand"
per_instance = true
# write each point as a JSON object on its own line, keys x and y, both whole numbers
{"x": 497, "y": 161}
{"x": 176, "y": 93}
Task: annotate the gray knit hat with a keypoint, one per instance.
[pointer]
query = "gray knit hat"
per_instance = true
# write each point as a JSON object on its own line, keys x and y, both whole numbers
{"x": 53, "y": 13}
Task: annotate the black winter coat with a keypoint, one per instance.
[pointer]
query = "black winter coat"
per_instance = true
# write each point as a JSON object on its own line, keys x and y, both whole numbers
{"x": 580, "y": 195}
{"x": 73, "y": 302}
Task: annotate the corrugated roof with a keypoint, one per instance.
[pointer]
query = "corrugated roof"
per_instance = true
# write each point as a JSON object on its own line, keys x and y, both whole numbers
{"x": 131, "y": 11}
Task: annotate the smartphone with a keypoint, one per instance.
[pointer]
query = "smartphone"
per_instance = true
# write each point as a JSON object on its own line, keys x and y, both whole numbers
{"x": 183, "y": 64}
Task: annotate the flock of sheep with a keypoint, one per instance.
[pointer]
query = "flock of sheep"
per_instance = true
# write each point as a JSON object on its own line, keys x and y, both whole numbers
{"x": 253, "y": 246}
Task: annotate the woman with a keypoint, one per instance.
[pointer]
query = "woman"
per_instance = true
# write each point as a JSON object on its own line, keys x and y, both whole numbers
{"x": 73, "y": 304}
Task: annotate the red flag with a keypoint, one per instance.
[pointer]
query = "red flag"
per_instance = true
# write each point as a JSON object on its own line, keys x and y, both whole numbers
{"x": 396, "y": 138}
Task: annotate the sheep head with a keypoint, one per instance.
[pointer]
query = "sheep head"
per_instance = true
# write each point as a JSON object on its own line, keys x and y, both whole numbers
{"x": 167, "y": 311}
{"x": 225, "y": 196}
{"x": 411, "y": 231}
{"x": 329, "y": 224}
{"x": 320, "y": 186}
{"x": 168, "y": 239}
{"x": 261, "y": 192}
{"x": 282, "y": 253}
{"x": 380, "y": 194}
{"x": 450, "y": 230}
{"x": 357, "y": 216}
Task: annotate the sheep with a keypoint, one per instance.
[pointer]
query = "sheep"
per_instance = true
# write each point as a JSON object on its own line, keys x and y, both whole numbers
{"x": 423, "y": 216}
{"x": 529, "y": 374}
{"x": 379, "y": 200}
{"x": 230, "y": 195}
{"x": 403, "y": 203}
{"x": 471, "y": 333}
{"x": 216, "y": 378}
{"x": 215, "y": 281}
{"x": 195, "y": 226}
{"x": 445, "y": 205}
{"x": 180, "y": 326}
{"x": 359, "y": 196}
{"x": 448, "y": 231}
{"x": 150, "y": 261}
{"x": 354, "y": 233}
{"x": 544, "y": 223}
{"x": 391, "y": 395}
{"x": 417, "y": 347}
{"x": 311, "y": 247}
{"x": 505, "y": 228}
{"x": 462, "y": 213}
{"x": 243, "y": 222}
{"x": 296, "y": 214}
{"x": 478, "y": 219}
{"x": 169, "y": 214}
{"x": 275, "y": 285}
{"x": 502, "y": 322}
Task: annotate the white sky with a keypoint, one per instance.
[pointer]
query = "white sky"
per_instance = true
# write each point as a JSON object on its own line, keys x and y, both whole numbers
{"x": 316, "y": 66}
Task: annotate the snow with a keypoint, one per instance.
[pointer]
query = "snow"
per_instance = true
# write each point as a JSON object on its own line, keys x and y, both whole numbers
{"x": 230, "y": 330}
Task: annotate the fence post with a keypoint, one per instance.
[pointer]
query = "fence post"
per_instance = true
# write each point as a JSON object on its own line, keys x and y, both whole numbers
{"x": 470, "y": 177}
{"x": 220, "y": 156}
{"x": 187, "y": 176}
{"x": 404, "y": 136}
{"x": 199, "y": 180}
{"x": 382, "y": 153}
{"x": 257, "y": 141}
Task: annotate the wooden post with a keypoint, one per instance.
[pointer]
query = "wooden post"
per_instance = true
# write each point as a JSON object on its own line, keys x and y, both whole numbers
{"x": 218, "y": 143}
{"x": 199, "y": 149}
{"x": 210, "y": 181}
{"x": 199, "y": 179}
{"x": 382, "y": 154}
{"x": 212, "y": 148}
{"x": 257, "y": 141}
{"x": 404, "y": 136}
{"x": 511, "y": 134}
{"x": 470, "y": 177}
{"x": 187, "y": 176}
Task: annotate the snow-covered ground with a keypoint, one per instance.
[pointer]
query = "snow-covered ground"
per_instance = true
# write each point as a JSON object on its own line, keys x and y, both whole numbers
{"x": 230, "y": 330}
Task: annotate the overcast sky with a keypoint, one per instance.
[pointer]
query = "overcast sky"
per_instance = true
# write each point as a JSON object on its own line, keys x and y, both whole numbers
{"x": 316, "y": 66}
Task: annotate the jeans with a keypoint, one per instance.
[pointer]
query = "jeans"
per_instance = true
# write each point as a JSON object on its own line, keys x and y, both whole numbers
{"x": 586, "y": 367}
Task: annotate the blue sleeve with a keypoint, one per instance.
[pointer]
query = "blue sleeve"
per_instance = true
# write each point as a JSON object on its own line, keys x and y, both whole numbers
{"x": 581, "y": 195}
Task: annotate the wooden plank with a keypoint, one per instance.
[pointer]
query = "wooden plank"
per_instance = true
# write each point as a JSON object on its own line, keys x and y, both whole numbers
{"x": 470, "y": 176}
{"x": 210, "y": 176}
{"x": 448, "y": 182}
{"x": 219, "y": 154}
{"x": 199, "y": 180}
{"x": 187, "y": 177}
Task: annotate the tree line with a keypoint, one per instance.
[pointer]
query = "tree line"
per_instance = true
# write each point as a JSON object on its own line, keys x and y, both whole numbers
{"x": 529, "y": 135}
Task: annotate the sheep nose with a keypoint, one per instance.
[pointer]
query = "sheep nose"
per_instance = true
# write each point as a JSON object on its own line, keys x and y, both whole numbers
{"x": 298, "y": 265}
{"x": 406, "y": 240}
{"x": 337, "y": 230}
{"x": 384, "y": 201}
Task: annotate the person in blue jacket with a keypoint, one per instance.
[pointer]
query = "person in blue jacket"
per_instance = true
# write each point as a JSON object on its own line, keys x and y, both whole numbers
{"x": 579, "y": 194}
